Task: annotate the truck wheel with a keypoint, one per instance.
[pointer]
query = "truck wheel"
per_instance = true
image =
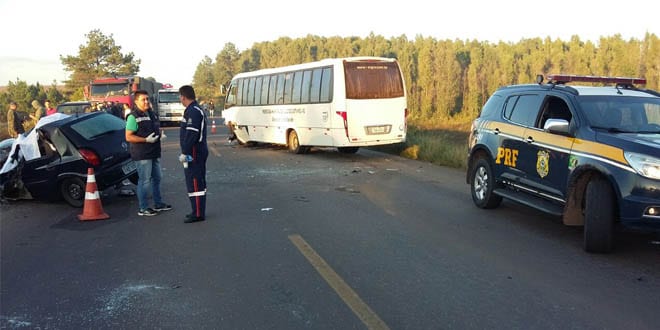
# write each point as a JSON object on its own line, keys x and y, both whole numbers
{"x": 482, "y": 186}
{"x": 599, "y": 217}
{"x": 73, "y": 191}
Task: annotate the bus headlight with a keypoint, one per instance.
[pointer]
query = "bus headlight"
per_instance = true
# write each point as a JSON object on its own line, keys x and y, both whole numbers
{"x": 645, "y": 165}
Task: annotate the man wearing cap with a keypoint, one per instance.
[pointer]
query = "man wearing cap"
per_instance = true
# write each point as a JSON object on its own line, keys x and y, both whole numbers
{"x": 14, "y": 120}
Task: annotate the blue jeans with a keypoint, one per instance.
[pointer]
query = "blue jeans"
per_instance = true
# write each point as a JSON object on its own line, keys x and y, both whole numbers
{"x": 149, "y": 176}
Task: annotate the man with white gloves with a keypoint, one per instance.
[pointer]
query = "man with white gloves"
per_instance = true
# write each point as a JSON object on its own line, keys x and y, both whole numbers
{"x": 143, "y": 134}
{"x": 194, "y": 152}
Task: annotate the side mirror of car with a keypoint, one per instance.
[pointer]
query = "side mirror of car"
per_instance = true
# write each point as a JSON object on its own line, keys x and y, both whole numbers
{"x": 556, "y": 126}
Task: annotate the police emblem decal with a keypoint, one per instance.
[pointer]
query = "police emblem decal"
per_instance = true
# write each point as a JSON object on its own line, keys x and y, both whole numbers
{"x": 542, "y": 163}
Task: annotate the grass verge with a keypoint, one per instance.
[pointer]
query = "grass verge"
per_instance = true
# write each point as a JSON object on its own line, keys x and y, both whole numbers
{"x": 440, "y": 146}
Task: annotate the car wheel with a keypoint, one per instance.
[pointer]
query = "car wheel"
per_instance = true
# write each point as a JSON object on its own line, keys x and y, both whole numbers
{"x": 73, "y": 191}
{"x": 483, "y": 184}
{"x": 599, "y": 217}
{"x": 294, "y": 144}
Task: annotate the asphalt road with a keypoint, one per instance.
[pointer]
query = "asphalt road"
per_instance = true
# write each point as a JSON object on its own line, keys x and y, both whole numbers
{"x": 317, "y": 241}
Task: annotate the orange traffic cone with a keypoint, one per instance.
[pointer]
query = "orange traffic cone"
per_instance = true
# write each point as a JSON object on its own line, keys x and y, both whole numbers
{"x": 92, "y": 210}
{"x": 213, "y": 129}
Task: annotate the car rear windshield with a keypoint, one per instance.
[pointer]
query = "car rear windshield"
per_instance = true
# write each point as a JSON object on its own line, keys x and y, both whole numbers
{"x": 94, "y": 126}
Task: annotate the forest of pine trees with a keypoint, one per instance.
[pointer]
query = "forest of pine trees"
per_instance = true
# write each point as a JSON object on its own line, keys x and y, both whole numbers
{"x": 447, "y": 80}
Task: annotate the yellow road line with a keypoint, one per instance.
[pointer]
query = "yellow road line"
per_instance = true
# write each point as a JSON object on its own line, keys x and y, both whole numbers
{"x": 350, "y": 297}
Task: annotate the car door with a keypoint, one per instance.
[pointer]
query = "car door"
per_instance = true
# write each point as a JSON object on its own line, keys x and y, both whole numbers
{"x": 39, "y": 175}
{"x": 520, "y": 112}
{"x": 546, "y": 164}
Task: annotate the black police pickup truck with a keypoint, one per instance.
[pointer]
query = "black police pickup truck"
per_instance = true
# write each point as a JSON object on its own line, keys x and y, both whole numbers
{"x": 588, "y": 154}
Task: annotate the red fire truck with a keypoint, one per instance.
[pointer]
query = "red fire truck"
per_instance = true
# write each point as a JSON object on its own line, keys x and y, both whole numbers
{"x": 119, "y": 89}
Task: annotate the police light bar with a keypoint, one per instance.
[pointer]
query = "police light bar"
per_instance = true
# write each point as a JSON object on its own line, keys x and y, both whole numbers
{"x": 564, "y": 78}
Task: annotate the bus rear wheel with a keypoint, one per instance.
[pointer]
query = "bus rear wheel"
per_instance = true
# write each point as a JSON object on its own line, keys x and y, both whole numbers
{"x": 293, "y": 144}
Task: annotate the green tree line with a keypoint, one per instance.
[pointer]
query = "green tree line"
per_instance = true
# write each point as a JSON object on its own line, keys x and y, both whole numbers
{"x": 100, "y": 57}
{"x": 447, "y": 80}
{"x": 23, "y": 94}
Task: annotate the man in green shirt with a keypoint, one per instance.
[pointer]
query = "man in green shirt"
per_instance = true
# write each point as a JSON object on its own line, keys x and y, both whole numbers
{"x": 143, "y": 134}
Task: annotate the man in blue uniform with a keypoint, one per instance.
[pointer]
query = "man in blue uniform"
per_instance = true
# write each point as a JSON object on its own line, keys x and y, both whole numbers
{"x": 194, "y": 153}
{"x": 142, "y": 132}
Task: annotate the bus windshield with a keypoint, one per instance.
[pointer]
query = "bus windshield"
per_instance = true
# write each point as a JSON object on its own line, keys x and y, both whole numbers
{"x": 373, "y": 80}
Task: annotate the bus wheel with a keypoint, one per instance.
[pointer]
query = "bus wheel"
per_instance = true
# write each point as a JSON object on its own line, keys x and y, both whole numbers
{"x": 294, "y": 145}
{"x": 348, "y": 150}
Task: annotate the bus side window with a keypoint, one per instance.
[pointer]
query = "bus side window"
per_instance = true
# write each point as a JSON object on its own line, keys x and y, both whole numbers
{"x": 315, "y": 88}
{"x": 243, "y": 92}
{"x": 297, "y": 84}
{"x": 271, "y": 90}
{"x": 257, "y": 90}
{"x": 326, "y": 85}
{"x": 250, "y": 91}
{"x": 231, "y": 97}
{"x": 280, "y": 89}
{"x": 288, "y": 85}
{"x": 264, "y": 90}
{"x": 306, "y": 82}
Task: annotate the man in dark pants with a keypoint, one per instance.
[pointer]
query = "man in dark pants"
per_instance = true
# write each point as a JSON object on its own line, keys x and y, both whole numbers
{"x": 194, "y": 153}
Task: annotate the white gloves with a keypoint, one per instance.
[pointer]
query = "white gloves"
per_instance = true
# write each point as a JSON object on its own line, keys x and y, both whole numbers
{"x": 185, "y": 158}
{"x": 151, "y": 138}
{"x": 162, "y": 136}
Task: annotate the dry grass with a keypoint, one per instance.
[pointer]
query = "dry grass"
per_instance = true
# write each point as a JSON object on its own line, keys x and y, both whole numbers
{"x": 441, "y": 146}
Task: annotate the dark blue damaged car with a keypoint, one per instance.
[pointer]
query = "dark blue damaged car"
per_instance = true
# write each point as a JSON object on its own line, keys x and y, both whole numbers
{"x": 51, "y": 161}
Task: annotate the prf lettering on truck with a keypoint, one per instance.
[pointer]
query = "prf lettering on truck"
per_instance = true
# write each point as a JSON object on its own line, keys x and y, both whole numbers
{"x": 510, "y": 156}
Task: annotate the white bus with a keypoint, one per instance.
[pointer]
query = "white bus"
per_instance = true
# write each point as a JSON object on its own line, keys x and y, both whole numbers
{"x": 345, "y": 103}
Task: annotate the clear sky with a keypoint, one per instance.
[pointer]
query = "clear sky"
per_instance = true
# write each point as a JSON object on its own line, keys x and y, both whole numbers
{"x": 172, "y": 37}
